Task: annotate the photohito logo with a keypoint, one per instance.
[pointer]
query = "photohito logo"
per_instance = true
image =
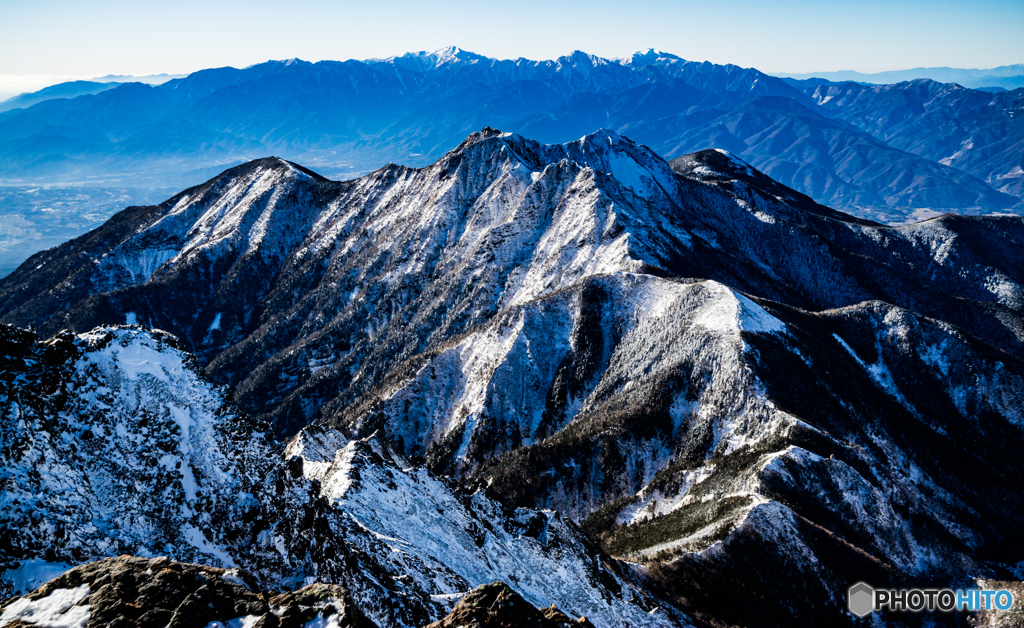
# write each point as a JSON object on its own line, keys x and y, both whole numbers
{"x": 863, "y": 599}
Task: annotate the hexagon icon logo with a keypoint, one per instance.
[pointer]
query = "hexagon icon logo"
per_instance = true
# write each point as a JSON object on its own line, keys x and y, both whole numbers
{"x": 861, "y": 599}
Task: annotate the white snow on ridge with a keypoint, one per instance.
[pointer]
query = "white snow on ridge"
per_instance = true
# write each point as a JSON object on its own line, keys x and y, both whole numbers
{"x": 732, "y": 313}
{"x": 144, "y": 428}
{"x": 56, "y": 610}
{"x": 449, "y": 545}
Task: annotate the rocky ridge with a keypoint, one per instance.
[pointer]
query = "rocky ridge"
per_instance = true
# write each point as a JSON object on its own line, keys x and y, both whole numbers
{"x": 346, "y": 118}
{"x": 715, "y": 376}
{"x": 114, "y": 443}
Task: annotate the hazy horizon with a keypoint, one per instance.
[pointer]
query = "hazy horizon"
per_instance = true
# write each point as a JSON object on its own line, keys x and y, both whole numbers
{"x": 13, "y": 85}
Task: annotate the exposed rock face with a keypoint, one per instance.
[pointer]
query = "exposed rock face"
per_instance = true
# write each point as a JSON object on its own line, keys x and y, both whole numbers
{"x": 158, "y": 592}
{"x": 113, "y": 443}
{"x": 720, "y": 380}
{"x": 497, "y": 606}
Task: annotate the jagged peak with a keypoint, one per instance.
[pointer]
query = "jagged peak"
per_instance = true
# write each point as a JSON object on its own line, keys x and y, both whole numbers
{"x": 720, "y": 167}
{"x": 599, "y": 140}
{"x": 476, "y": 137}
{"x": 604, "y": 152}
{"x": 454, "y": 54}
{"x": 427, "y": 60}
{"x": 648, "y": 57}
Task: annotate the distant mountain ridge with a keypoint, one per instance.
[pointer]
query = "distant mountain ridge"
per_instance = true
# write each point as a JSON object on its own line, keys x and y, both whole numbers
{"x": 62, "y": 90}
{"x": 1009, "y": 77}
{"x": 347, "y": 118}
{"x": 977, "y": 132}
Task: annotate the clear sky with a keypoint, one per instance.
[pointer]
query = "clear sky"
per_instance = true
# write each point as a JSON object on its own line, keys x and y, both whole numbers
{"x": 82, "y": 38}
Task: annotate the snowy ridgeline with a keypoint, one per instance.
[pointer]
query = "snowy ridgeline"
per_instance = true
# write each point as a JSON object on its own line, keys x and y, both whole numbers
{"x": 299, "y": 292}
{"x": 382, "y": 110}
{"x": 123, "y": 448}
{"x": 681, "y": 361}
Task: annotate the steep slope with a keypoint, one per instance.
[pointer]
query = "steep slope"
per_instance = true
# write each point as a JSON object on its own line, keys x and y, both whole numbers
{"x": 719, "y": 378}
{"x": 977, "y": 132}
{"x": 113, "y": 443}
{"x": 118, "y": 440}
{"x": 296, "y": 291}
{"x": 723, "y": 437}
{"x": 434, "y": 543}
{"x": 675, "y": 416}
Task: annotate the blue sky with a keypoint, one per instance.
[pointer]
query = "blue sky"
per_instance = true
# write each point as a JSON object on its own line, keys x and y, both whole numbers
{"x": 82, "y": 39}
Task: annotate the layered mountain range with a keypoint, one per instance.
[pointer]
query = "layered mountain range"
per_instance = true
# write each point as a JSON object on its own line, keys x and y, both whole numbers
{"x": 646, "y": 391}
{"x": 900, "y": 151}
{"x": 1006, "y": 77}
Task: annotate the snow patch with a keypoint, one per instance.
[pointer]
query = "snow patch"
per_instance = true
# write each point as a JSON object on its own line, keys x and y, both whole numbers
{"x": 215, "y": 325}
{"x": 731, "y": 312}
{"x": 195, "y": 537}
{"x": 56, "y": 610}
{"x": 233, "y": 577}
{"x": 248, "y": 621}
{"x": 183, "y": 418}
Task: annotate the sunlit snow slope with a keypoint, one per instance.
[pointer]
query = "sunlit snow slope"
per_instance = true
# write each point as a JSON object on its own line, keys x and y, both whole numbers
{"x": 716, "y": 377}
{"x": 113, "y": 443}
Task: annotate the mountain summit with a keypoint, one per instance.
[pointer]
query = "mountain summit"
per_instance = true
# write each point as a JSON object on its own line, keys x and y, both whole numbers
{"x": 712, "y": 377}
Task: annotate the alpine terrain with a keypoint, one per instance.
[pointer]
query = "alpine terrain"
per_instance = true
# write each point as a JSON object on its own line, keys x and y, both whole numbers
{"x": 892, "y": 153}
{"x": 647, "y": 392}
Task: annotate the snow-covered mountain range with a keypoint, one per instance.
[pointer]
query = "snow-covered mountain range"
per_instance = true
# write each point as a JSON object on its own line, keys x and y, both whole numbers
{"x": 115, "y": 444}
{"x": 473, "y": 371}
{"x": 347, "y": 118}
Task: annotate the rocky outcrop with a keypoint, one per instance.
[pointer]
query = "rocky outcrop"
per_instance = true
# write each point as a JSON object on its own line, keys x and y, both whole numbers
{"x": 113, "y": 442}
{"x": 718, "y": 379}
{"x": 159, "y": 592}
{"x": 497, "y": 606}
